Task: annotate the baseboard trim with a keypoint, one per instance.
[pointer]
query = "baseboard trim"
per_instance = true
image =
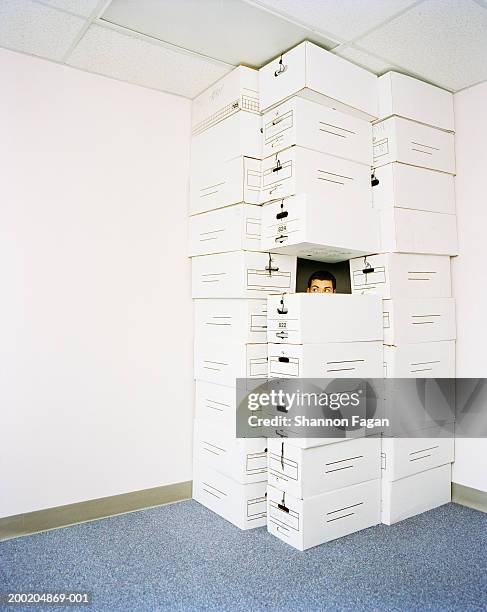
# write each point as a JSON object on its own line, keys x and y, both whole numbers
{"x": 91, "y": 510}
{"x": 466, "y": 496}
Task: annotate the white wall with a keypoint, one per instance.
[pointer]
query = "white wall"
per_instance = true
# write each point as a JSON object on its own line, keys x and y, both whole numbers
{"x": 95, "y": 308}
{"x": 470, "y": 288}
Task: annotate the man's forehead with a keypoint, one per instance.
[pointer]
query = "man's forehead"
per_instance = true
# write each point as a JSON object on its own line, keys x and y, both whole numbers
{"x": 320, "y": 282}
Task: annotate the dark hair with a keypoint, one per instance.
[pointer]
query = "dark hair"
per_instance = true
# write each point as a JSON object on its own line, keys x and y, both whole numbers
{"x": 322, "y": 275}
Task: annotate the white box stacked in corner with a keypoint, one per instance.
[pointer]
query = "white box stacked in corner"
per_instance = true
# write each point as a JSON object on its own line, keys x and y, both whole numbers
{"x": 244, "y": 460}
{"x": 236, "y": 91}
{"x": 242, "y": 274}
{"x": 310, "y": 72}
{"x": 413, "y": 192}
{"x": 416, "y": 473}
{"x": 244, "y": 505}
{"x": 230, "y": 282}
{"x": 305, "y": 226}
{"x": 300, "y": 122}
{"x": 230, "y": 340}
{"x": 227, "y": 229}
{"x": 226, "y": 146}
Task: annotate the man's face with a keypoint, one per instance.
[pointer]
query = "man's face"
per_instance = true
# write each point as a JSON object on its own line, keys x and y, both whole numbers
{"x": 321, "y": 286}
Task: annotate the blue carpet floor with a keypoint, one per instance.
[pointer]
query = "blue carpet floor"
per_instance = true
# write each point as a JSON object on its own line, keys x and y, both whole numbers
{"x": 184, "y": 557}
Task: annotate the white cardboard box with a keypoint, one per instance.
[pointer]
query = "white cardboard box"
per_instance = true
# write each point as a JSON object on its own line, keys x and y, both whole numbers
{"x": 401, "y": 275}
{"x": 401, "y": 140}
{"x": 413, "y": 495}
{"x": 308, "y": 227}
{"x": 407, "y": 321}
{"x": 333, "y": 360}
{"x": 403, "y": 457}
{"x": 319, "y": 318}
{"x": 215, "y": 403}
{"x": 237, "y": 136}
{"x": 304, "y": 523}
{"x": 222, "y": 364}
{"x": 414, "y": 188}
{"x": 244, "y": 505}
{"x": 414, "y": 405}
{"x": 230, "y": 320}
{"x": 244, "y": 460}
{"x": 237, "y": 90}
{"x": 303, "y": 473}
{"x": 420, "y": 360}
{"x": 331, "y": 179}
{"x": 314, "y": 126}
{"x": 225, "y": 183}
{"x": 416, "y": 231}
{"x": 311, "y": 72}
{"x": 242, "y": 274}
{"x": 408, "y": 97}
{"x": 226, "y": 229}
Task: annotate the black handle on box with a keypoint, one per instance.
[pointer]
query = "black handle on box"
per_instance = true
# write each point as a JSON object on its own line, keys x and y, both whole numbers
{"x": 269, "y": 267}
{"x": 282, "y": 506}
{"x": 282, "y": 68}
{"x": 282, "y": 215}
{"x": 282, "y": 309}
{"x": 278, "y": 166}
{"x": 367, "y": 269}
{"x": 283, "y": 359}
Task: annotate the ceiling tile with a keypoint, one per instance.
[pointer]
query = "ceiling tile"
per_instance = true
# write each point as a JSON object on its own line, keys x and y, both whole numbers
{"x": 79, "y": 7}
{"x": 345, "y": 19}
{"x": 34, "y": 28}
{"x": 443, "y": 41}
{"x": 360, "y": 57}
{"x": 232, "y": 31}
{"x": 109, "y": 52}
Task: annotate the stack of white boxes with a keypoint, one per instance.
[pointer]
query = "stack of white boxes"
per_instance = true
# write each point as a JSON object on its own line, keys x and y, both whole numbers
{"x": 414, "y": 166}
{"x": 230, "y": 281}
{"x": 316, "y": 191}
{"x": 322, "y": 489}
{"x": 297, "y": 182}
{"x": 317, "y": 156}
